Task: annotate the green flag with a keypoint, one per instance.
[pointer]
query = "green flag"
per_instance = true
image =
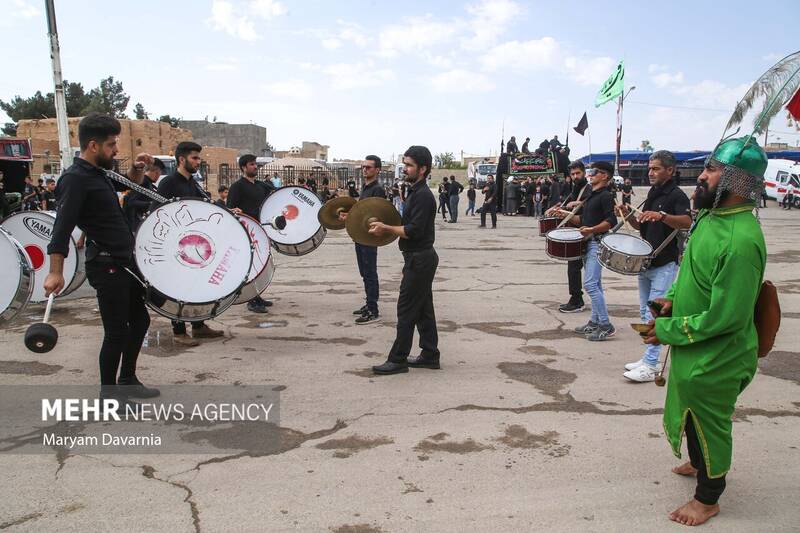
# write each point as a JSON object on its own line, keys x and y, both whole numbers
{"x": 613, "y": 86}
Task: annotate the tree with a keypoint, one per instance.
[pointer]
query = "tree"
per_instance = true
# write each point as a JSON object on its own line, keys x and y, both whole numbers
{"x": 76, "y": 97}
{"x": 139, "y": 112}
{"x": 37, "y": 106}
{"x": 172, "y": 121}
{"x": 10, "y": 129}
{"x": 444, "y": 160}
{"x": 646, "y": 146}
{"x": 109, "y": 98}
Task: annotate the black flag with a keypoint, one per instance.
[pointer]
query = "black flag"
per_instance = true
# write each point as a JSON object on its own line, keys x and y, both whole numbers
{"x": 583, "y": 125}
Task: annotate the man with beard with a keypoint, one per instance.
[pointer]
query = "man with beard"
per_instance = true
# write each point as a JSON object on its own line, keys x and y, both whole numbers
{"x": 415, "y": 302}
{"x": 580, "y": 192}
{"x": 595, "y": 220}
{"x": 136, "y": 205}
{"x": 665, "y": 211}
{"x": 246, "y": 196}
{"x": 707, "y": 318}
{"x": 181, "y": 184}
{"x": 88, "y": 199}
{"x": 489, "y": 202}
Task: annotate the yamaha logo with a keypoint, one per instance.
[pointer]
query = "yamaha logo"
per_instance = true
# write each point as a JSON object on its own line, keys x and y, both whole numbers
{"x": 301, "y": 195}
{"x": 39, "y": 227}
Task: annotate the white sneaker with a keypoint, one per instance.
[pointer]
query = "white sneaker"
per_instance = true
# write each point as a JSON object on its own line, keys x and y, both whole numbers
{"x": 637, "y": 364}
{"x": 642, "y": 374}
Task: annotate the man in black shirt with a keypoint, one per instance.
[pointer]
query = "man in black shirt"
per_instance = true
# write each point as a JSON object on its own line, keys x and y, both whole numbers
{"x": 511, "y": 146}
{"x": 49, "y": 195}
{"x": 222, "y": 201}
{"x": 627, "y": 192}
{"x": 30, "y": 196}
{"x": 246, "y": 196}
{"x": 454, "y": 190}
{"x": 471, "y": 200}
{"x": 351, "y": 189}
{"x": 415, "y": 303}
{"x": 525, "y": 149}
{"x": 595, "y": 220}
{"x": 181, "y": 184}
{"x": 136, "y": 205}
{"x": 88, "y": 199}
{"x": 489, "y": 202}
{"x": 665, "y": 210}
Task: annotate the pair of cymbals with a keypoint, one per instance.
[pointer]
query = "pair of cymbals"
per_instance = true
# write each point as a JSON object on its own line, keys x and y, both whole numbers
{"x": 367, "y": 211}
{"x": 328, "y": 216}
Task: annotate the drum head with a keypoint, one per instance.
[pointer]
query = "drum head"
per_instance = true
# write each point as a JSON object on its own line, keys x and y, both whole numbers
{"x": 12, "y": 269}
{"x": 33, "y": 230}
{"x": 193, "y": 251}
{"x": 261, "y": 248}
{"x": 300, "y": 207}
{"x": 627, "y": 244}
{"x": 565, "y": 234}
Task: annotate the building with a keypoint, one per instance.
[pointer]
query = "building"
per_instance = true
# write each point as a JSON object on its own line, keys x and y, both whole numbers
{"x": 245, "y": 138}
{"x": 309, "y": 150}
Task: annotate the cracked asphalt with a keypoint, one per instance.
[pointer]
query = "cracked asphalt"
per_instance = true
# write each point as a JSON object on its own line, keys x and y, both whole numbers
{"x": 527, "y": 426}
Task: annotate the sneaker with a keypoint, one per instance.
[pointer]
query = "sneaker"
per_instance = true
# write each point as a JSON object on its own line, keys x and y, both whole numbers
{"x": 636, "y": 364}
{"x": 586, "y": 329}
{"x": 205, "y": 332}
{"x": 133, "y": 388}
{"x": 256, "y": 307}
{"x": 642, "y": 374}
{"x": 572, "y": 307}
{"x": 602, "y": 333}
{"x": 360, "y": 311}
{"x": 368, "y": 318}
{"x": 184, "y": 340}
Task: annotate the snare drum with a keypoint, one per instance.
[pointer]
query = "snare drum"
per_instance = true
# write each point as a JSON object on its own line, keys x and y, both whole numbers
{"x": 194, "y": 257}
{"x": 33, "y": 229}
{"x": 547, "y": 224}
{"x": 303, "y": 232}
{"x": 624, "y": 253}
{"x": 263, "y": 267}
{"x": 566, "y": 244}
{"x": 18, "y": 278}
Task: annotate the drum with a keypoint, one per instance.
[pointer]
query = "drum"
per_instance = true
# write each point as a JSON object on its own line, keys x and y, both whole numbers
{"x": 263, "y": 267}
{"x": 548, "y": 224}
{"x": 303, "y": 232}
{"x": 566, "y": 244}
{"x": 624, "y": 253}
{"x": 33, "y": 230}
{"x": 18, "y": 278}
{"x": 194, "y": 257}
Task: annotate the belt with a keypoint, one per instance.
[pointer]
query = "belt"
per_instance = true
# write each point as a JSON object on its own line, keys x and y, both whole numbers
{"x": 412, "y": 252}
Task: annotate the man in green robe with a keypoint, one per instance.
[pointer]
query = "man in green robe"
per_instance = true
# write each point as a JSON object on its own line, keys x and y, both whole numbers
{"x": 707, "y": 319}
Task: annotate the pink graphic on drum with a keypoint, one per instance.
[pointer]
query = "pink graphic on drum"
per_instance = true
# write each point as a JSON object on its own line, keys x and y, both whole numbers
{"x": 36, "y": 255}
{"x": 290, "y": 212}
{"x": 195, "y": 250}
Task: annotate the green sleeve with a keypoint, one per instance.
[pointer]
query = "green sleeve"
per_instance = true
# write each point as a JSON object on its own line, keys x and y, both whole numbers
{"x": 733, "y": 296}
{"x": 670, "y": 292}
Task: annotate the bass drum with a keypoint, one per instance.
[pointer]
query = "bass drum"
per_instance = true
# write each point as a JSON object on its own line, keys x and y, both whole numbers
{"x": 18, "y": 278}
{"x": 303, "y": 232}
{"x": 33, "y": 229}
{"x": 263, "y": 267}
{"x": 194, "y": 257}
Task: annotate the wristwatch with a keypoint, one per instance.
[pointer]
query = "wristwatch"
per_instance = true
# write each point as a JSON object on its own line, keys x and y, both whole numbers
{"x": 663, "y": 216}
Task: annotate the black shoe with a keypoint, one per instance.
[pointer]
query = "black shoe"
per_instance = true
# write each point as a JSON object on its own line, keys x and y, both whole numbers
{"x": 482, "y": 226}
{"x": 266, "y": 303}
{"x": 424, "y": 362}
{"x": 573, "y": 306}
{"x": 124, "y": 404}
{"x": 133, "y": 388}
{"x": 390, "y": 368}
{"x": 368, "y": 318}
{"x": 360, "y": 311}
{"x": 256, "y": 307}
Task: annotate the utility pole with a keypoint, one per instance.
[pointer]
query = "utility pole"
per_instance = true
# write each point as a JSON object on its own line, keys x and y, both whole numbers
{"x": 622, "y": 98}
{"x": 60, "y": 99}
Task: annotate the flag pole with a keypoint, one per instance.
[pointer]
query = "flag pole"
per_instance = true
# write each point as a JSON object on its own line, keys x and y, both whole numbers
{"x": 569, "y": 119}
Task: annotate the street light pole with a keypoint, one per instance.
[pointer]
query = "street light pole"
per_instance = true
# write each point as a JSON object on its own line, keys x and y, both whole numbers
{"x": 60, "y": 100}
{"x": 622, "y": 98}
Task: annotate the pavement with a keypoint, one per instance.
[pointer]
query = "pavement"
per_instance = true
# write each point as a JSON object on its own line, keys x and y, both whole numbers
{"x": 528, "y": 427}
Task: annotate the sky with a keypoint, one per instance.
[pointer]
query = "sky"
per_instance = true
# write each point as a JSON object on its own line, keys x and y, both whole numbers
{"x": 376, "y": 76}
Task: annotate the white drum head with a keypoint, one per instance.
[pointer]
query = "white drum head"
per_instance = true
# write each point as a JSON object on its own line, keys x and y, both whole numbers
{"x": 261, "y": 247}
{"x": 193, "y": 251}
{"x": 565, "y": 235}
{"x": 300, "y": 207}
{"x": 627, "y": 244}
{"x": 12, "y": 270}
{"x": 33, "y": 230}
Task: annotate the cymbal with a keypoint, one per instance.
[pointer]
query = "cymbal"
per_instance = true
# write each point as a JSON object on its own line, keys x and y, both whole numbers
{"x": 366, "y": 212}
{"x": 328, "y": 216}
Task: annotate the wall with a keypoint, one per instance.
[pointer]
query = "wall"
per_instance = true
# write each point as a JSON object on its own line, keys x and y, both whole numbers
{"x": 245, "y": 138}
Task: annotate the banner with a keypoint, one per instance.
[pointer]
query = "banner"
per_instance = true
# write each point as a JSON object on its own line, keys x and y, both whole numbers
{"x": 524, "y": 164}
{"x": 612, "y": 87}
{"x": 583, "y": 125}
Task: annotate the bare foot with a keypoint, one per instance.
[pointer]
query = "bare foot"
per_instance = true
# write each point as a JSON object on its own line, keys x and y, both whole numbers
{"x": 686, "y": 469}
{"x": 694, "y": 513}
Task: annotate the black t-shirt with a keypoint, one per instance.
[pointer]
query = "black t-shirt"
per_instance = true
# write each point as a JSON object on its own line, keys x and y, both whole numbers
{"x": 455, "y": 188}
{"x": 49, "y": 199}
{"x": 491, "y": 191}
{"x": 177, "y": 186}
{"x": 248, "y": 196}
{"x": 599, "y": 207}
{"x": 471, "y": 194}
{"x": 419, "y": 215}
{"x": 372, "y": 190}
{"x": 627, "y": 189}
{"x": 673, "y": 201}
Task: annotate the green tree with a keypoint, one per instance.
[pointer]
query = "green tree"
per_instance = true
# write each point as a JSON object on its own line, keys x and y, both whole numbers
{"x": 76, "y": 97}
{"x": 10, "y": 129}
{"x": 139, "y": 112}
{"x": 646, "y": 146}
{"x": 172, "y": 121}
{"x": 444, "y": 160}
{"x": 36, "y": 106}
{"x": 109, "y": 98}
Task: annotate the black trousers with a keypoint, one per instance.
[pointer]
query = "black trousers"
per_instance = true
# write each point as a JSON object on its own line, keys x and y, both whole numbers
{"x": 443, "y": 201}
{"x": 367, "y": 258}
{"x": 179, "y": 327}
{"x": 415, "y": 307}
{"x": 492, "y": 209}
{"x": 574, "y": 279}
{"x": 708, "y": 489}
{"x": 125, "y": 318}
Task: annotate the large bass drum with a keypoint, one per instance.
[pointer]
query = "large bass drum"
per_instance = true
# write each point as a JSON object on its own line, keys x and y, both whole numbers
{"x": 263, "y": 267}
{"x": 303, "y": 232}
{"x": 194, "y": 257}
{"x": 18, "y": 278}
{"x": 33, "y": 229}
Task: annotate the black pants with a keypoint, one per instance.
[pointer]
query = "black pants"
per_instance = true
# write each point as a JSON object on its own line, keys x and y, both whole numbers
{"x": 179, "y": 327}
{"x": 125, "y": 318}
{"x": 492, "y": 209}
{"x": 708, "y": 489}
{"x": 530, "y": 206}
{"x": 367, "y": 258}
{"x": 574, "y": 277}
{"x": 415, "y": 307}
{"x": 443, "y": 200}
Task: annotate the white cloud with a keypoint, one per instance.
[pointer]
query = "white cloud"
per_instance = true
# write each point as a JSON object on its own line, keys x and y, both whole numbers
{"x": 225, "y": 18}
{"x": 294, "y": 89}
{"x": 221, "y": 67}
{"x": 414, "y": 34}
{"x": 332, "y": 43}
{"x": 356, "y": 75}
{"x": 442, "y": 62}
{"x": 772, "y": 57}
{"x": 19, "y": 9}
{"x": 712, "y": 94}
{"x": 589, "y": 70}
{"x": 268, "y": 9}
{"x": 654, "y": 68}
{"x": 665, "y": 79}
{"x": 459, "y": 80}
{"x": 535, "y": 54}
{"x": 488, "y": 20}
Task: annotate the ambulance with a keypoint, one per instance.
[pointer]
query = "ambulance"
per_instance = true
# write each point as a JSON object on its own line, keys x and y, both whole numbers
{"x": 781, "y": 177}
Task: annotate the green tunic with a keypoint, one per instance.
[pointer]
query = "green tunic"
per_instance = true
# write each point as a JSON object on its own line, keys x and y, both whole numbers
{"x": 714, "y": 342}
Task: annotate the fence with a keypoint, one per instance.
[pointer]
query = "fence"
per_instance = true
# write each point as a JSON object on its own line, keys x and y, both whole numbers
{"x": 337, "y": 176}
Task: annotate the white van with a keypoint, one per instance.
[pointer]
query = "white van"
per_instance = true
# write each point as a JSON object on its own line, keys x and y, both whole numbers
{"x": 781, "y": 176}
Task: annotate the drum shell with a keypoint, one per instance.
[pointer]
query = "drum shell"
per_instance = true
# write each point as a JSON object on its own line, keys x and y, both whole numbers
{"x": 304, "y": 247}
{"x": 548, "y": 224}
{"x": 281, "y": 241}
{"x": 565, "y": 250}
{"x": 24, "y": 282}
{"x": 620, "y": 262}
{"x": 186, "y": 312}
{"x": 254, "y": 288}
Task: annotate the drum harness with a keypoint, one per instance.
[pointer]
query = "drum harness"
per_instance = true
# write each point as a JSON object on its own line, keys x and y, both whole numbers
{"x": 661, "y": 246}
